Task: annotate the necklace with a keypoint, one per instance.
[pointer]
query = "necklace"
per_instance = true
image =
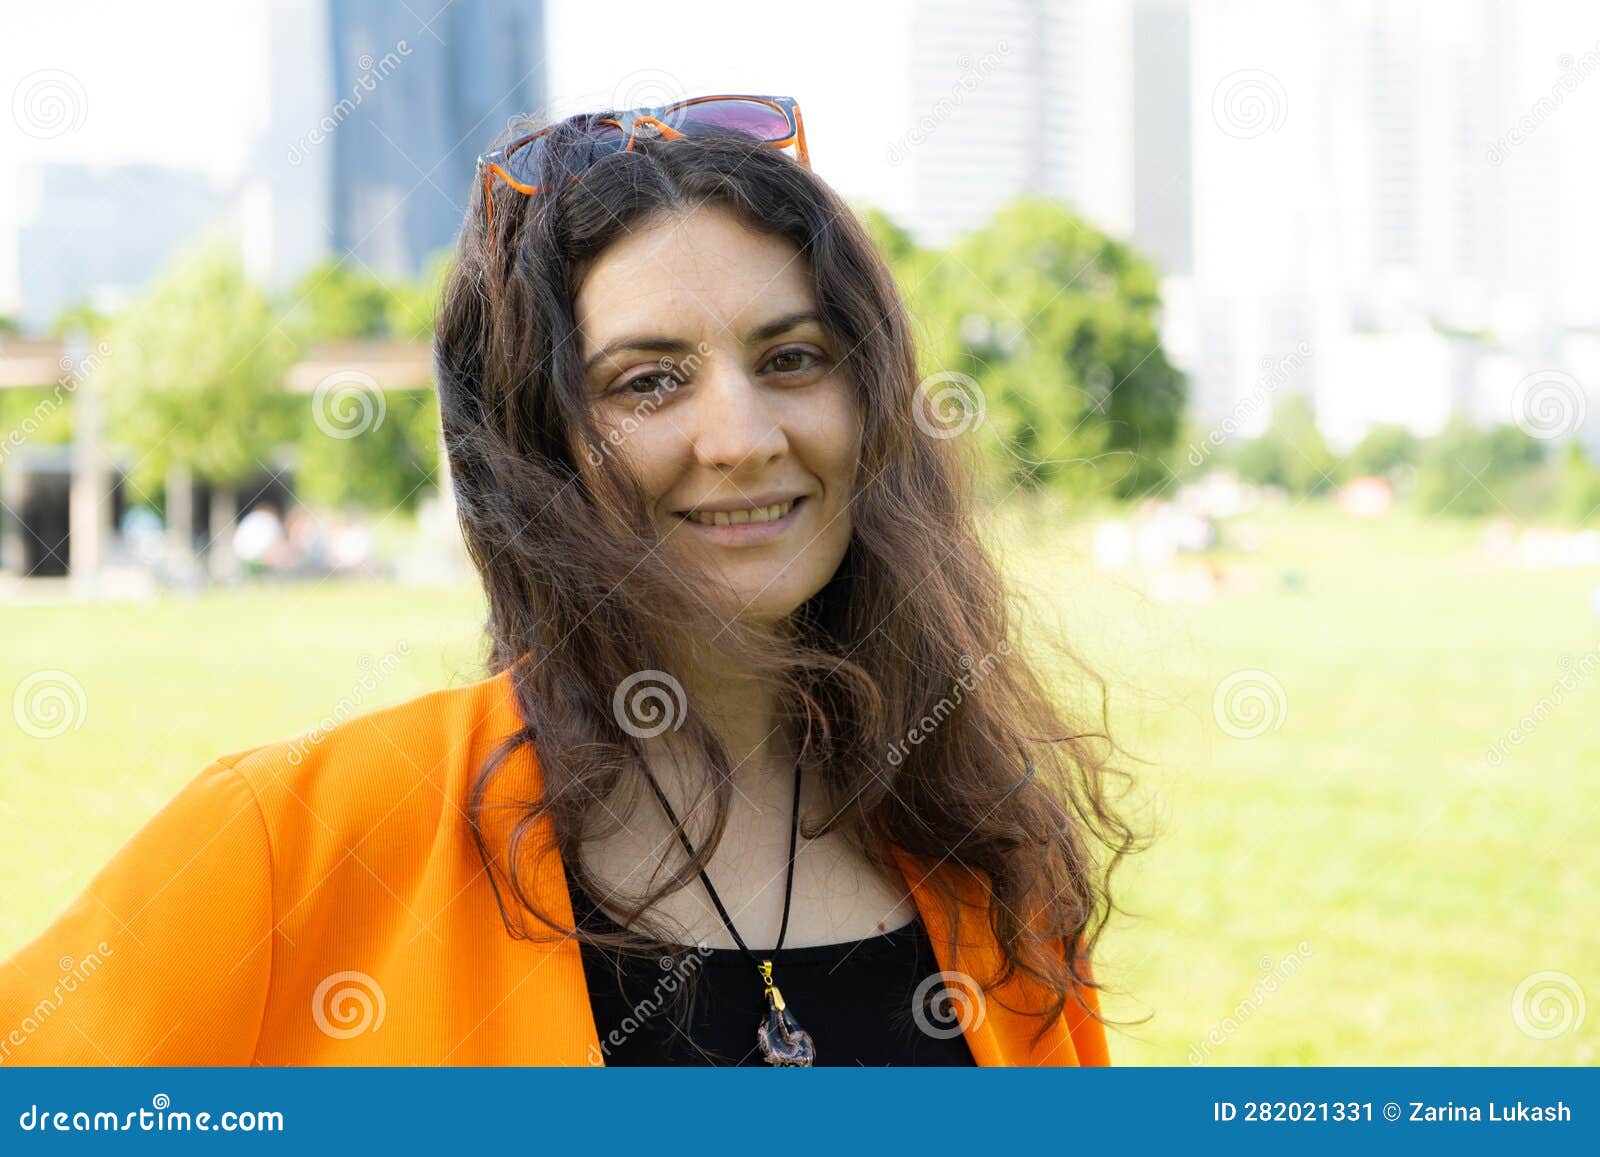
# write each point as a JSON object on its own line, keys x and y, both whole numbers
{"x": 781, "y": 1039}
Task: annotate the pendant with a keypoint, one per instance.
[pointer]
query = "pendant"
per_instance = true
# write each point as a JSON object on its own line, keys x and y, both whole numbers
{"x": 782, "y": 1040}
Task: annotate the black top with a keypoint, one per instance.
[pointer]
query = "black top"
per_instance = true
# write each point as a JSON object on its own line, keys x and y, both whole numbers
{"x": 854, "y": 998}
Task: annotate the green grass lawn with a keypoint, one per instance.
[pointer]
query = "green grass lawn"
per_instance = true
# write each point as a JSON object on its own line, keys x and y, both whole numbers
{"x": 1410, "y": 885}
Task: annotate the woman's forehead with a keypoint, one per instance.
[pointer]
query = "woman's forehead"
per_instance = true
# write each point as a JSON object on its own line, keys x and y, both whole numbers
{"x": 696, "y": 270}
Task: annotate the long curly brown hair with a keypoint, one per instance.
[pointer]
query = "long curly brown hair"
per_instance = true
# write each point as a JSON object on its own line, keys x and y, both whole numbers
{"x": 905, "y": 680}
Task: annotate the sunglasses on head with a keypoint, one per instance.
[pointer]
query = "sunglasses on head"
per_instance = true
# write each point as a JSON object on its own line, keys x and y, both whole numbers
{"x": 772, "y": 120}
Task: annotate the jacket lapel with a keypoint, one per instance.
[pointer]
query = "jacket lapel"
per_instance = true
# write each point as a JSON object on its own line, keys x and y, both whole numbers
{"x": 998, "y": 1035}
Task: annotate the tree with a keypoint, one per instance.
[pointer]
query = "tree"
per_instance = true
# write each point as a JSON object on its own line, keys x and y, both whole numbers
{"x": 336, "y": 300}
{"x": 1058, "y": 326}
{"x": 1580, "y": 486}
{"x": 1291, "y": 451}
{"x": 1468, "y": 472}
{"x": 193, "y": 384}
{"x": 1384, "y": 450}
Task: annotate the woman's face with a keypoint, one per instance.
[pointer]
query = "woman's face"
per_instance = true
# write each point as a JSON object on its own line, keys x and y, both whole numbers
{"x": 711, "y": 373}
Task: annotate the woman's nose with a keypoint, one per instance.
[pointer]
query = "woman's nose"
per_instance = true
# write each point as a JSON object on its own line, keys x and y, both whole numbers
{"x": 735, "y": 426}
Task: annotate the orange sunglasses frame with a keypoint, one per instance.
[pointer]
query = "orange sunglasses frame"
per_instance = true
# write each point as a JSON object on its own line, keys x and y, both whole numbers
{"x": 490, "y": 164}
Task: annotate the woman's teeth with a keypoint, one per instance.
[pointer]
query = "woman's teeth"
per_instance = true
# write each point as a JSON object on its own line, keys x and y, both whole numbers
{"x": 740, "y": 517}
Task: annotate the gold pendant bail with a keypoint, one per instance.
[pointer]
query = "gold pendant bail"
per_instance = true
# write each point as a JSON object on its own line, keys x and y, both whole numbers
{"x": 770, "y": 990}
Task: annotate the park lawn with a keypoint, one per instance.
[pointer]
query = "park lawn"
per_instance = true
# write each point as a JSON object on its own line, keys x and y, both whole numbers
{"x": 1367, "y": 841}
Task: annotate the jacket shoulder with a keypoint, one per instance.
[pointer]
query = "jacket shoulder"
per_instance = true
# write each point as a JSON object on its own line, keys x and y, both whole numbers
{"x": 353, "y": 773}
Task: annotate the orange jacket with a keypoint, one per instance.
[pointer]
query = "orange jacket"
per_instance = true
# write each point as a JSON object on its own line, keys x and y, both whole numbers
{"x": 320, "y": 901}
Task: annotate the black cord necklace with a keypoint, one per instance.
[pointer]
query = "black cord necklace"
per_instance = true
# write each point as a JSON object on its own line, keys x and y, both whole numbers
{"x": 780, "y": 1037}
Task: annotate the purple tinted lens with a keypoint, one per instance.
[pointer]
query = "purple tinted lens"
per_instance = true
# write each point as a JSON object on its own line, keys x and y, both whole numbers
{"x": 750, "y": 117}
{"x": 523, "y": 163}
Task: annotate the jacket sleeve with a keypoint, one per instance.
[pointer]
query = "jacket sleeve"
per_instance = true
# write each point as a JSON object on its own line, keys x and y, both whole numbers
{"x": 1088, "y": 1034}
{"x": 164, "y": 958}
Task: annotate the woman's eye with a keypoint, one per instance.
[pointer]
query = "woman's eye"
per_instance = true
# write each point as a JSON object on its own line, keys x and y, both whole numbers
{"x": 793, "y": 361}
{"x": 649, "y": 384}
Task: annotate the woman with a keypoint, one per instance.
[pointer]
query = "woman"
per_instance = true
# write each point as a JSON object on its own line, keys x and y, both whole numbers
{"x": 759, "y": 777}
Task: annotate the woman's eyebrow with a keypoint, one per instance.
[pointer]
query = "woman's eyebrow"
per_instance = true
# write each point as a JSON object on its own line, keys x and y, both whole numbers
{"x": 660, "y": 343}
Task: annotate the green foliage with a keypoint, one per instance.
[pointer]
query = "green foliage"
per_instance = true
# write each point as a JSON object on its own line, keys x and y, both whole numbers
{"x": 36, "y": 415}
{"x": 340, "y": 301}
{"x": 1384, "y": 450}
{"x": 1290, "y": 453}
{"x": 1057, "y": 325}
{"x": 1579, "y": 500}
{"x": 337, "y": 300}
{"x": 195, "y": 372}
{"x": 414, "y": 304}
{"x": 388, "y": 466}
{"x": 1467, "y": 472}
{"x": 81, "y": 318}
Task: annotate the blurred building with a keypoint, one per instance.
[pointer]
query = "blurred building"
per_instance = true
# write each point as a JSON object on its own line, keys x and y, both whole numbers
{"x": 1011, "y": 97}
{"x": 1360, "y": 185}
{"x": 378, "y": 113}
{"x": 95, "y": 236}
